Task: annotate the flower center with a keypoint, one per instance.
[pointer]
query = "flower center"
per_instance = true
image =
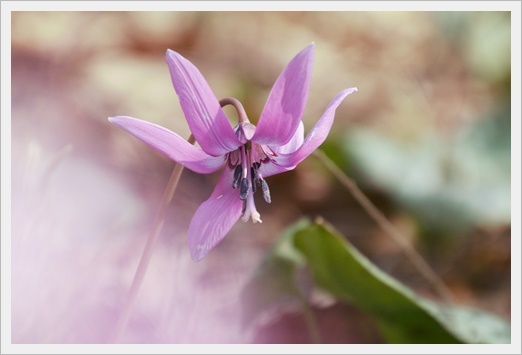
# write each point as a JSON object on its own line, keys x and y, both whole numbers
{"x": 247, "y": 178}
{"x": 246, "y": 162}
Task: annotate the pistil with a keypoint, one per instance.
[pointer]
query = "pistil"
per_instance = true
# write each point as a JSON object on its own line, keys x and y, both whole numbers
{"x": 249, "y": 210}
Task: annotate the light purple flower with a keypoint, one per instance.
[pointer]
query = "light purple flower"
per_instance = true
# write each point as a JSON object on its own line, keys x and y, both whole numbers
{"x": 249, "y": 153}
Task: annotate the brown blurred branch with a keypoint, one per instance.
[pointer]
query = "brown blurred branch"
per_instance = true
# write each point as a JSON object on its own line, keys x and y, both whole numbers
{"x": 417, "y": 260}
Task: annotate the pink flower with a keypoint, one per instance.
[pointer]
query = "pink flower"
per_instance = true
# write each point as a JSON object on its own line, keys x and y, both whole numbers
{"x": 249, "y": 153}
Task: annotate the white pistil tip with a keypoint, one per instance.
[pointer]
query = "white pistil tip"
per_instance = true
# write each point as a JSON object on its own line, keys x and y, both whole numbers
{"x": 256, "y": 217}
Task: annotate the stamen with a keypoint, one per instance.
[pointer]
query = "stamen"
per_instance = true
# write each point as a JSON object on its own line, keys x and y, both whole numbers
{"x": 243, "y": 194}
{"x": 256, "y": 180}
{"x": 266, "y": 191}
{"x": 244, "y": 161}
{"x": 237, "y": 176}
{"x": 253, "y": 176}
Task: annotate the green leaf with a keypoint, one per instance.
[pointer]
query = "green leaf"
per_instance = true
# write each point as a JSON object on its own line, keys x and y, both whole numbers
{"x": 403, "y": 317}
{"x": 337, "y": 267}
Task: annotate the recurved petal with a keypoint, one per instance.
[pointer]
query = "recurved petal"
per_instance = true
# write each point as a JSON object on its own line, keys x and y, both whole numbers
{"x": 269, "y": 169}
{"x": 286, "y": 102}
{"x": 294, "y": 143}
{"x": 316, "y": 136}
{"x": 169, "y": 144}
{"x": 204, "y": 115}
{"x": 214, "y": 218}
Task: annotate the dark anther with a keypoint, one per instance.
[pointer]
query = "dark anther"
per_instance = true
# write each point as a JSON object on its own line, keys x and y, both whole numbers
{"x": 237, "y": 176}
{"x": 244, "y": 189}
{"x": 256, "y": 166}
{"x": 253, "y": 174}
{"x": 266, "y": 191}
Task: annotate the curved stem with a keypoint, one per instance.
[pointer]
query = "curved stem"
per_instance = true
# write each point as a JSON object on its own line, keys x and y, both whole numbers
{"x": 241, "y": 113}
{"x": 417, "y": 260}
{"x": 139, "y": 275}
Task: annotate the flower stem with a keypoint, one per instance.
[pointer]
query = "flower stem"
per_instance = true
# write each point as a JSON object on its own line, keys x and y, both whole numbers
{"x": 241, "y": 113}
{"x": 417, "y": 260}
{"x": 147, "y": 251}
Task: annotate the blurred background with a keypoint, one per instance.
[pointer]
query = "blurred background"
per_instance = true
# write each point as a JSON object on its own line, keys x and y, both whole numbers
{"x": 427, "y": 138}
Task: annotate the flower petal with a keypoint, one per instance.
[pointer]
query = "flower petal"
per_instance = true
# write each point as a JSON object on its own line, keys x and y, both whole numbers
{"x": 270, "y": 169}
{"x": 316, "y": 136}
{"x": 214, "y": 218}
{"x": 294, "y": 143}
{"x": 286, "y": 102}
{"x": 169, "y": 144}
{"x": 207, "y": 121}
{"x": 244, "y": 131}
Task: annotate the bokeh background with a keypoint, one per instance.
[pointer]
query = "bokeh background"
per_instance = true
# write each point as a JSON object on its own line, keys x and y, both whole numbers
{"x": 427, "y": 138}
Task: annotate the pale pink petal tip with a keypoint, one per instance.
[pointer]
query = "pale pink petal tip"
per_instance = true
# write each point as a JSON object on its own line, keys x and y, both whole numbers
{"x": 207, "y": 121}
{"x": 286, "y": 102}
{"x": 169, "y": 144}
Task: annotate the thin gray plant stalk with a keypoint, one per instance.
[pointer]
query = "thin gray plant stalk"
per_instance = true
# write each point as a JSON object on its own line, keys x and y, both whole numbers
{"x": 410, "y": 252}
{"x": 311, "y": 322}
{"x": 139, "y": 275}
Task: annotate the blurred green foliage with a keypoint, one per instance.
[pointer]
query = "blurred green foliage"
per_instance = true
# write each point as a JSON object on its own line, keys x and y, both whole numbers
{"x": 449, "y": 186}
